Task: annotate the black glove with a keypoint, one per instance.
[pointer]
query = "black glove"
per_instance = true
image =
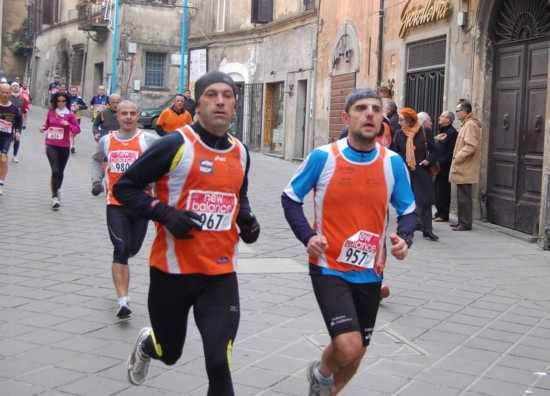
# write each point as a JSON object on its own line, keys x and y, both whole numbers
{"x": 97, "y": 188}
{"x": 250, "y": 228}
{"x": 178, "y": 222}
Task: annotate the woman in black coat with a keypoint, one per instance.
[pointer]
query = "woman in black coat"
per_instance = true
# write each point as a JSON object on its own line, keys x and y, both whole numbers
{"x": 409, "y": 143}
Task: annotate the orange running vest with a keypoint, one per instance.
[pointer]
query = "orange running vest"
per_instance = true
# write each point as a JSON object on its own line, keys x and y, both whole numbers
{"x": 120, "y": 155}
{"x": 341, "y": 214}
{"x": 385, "y": 139}
{"x": 208, "y": 182}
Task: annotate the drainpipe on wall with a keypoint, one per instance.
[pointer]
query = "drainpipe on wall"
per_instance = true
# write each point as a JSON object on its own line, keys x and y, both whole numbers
{"x": 115, "y": 49}
{"x": 380, "y": 43}
{"x": 183, "y": 43}
{"x": 313, "y": 101}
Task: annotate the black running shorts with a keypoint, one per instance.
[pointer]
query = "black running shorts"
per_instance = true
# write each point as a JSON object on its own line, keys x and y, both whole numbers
{"x": 346, "y": 306}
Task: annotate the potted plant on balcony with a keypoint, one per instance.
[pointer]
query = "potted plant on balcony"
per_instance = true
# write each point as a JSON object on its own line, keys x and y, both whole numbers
{"x": 82, "y": 4}
{"x": 22, "y": 38}
{"x": 384, "y": 90}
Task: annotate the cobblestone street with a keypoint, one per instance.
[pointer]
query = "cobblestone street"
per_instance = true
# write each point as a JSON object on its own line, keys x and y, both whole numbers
{"x": 468, "y": 315}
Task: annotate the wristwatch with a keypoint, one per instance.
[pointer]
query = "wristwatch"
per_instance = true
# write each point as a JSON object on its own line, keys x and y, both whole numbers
{"x": 408, "y": 238}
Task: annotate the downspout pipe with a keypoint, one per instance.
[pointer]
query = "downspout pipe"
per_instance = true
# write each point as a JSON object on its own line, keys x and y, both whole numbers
{"x": 183, "y": 43}
{"x": 115, "y": 49}
{"x": 313, "y": 101}
{"x": 380, "y": 42}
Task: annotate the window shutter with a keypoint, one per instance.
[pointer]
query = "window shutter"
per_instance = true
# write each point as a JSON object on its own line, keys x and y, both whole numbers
{"x": 262, "y": 11}
{"x": 310, "y": 4}
{"x": 47, "y": 11}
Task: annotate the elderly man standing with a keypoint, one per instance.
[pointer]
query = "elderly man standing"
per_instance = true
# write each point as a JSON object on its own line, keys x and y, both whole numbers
{"x": 392, "y": 116}
{"x": 466, "y": 164}
{"x": 447, "y": 140}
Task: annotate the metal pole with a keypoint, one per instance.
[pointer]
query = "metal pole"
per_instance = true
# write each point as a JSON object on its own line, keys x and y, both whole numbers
{"x": 115, "y": 49}
{"x": 183, "y": 44}
{"x": 313, "y": 100}
{"x": 380, "y": 42}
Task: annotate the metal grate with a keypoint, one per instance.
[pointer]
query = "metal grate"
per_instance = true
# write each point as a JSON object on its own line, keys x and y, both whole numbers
{"x": 523, "y": 20}
{"x": 76, "y": 69}
{"x": 427, "y": 55}
{"x": 155, "y": 67}
{"x": 248, "y": 122}
{"x": 424, "y": 92}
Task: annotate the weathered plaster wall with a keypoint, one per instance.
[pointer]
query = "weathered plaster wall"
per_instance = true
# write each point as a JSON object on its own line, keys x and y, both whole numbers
{"x": 13, "y": 13}
{"x": 135, "y": 26}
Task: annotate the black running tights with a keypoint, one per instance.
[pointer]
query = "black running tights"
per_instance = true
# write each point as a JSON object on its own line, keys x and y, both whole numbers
{"x": 215, "y": 302}
{"x": 58, "y": 157}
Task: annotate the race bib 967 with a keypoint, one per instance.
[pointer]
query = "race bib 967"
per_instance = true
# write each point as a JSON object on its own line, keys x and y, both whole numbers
{"x": 215, "y": 208}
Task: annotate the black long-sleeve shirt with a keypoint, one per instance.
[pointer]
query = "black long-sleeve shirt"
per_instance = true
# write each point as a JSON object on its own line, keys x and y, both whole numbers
{"x": 156, "y": 163}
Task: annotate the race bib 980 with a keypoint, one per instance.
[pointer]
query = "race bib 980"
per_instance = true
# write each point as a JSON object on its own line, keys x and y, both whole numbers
{"x": 120, "y": 161}
{"x": 215, "y": 208}
{"x": 360, "y": 249}
{"x": 55, "y": 133}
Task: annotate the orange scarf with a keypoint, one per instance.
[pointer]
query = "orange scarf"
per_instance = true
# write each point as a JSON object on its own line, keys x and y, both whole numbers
{"x": 410, "y": 133}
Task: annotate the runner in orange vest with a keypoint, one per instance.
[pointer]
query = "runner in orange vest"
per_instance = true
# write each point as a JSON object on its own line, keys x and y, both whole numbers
{"x": 201, "y": 210}
{"x": 126, "y": 229}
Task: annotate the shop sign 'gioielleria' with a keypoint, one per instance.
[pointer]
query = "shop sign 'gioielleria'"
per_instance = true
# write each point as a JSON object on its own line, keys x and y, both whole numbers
{"x": 419, "y": 15}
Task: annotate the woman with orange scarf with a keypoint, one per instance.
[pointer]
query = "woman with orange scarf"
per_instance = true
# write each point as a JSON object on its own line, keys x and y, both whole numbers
{"x": 409, "y": 143}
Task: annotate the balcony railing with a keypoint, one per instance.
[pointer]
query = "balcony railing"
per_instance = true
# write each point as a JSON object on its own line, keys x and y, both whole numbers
{"x": 90, "y": 16}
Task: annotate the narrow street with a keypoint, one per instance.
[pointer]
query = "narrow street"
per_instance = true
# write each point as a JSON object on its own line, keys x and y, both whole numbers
{"x": 468, "y": 315}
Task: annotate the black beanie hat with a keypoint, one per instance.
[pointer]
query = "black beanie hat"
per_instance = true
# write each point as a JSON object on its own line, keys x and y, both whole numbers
{"x": 213, "y": 77}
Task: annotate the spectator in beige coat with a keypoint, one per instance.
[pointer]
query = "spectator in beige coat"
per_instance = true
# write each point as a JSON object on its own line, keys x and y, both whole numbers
{"x": 466, "y": 164}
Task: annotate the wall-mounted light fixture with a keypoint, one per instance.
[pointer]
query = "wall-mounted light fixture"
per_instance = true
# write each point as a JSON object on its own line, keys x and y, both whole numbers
{"x": 290, "y": 89}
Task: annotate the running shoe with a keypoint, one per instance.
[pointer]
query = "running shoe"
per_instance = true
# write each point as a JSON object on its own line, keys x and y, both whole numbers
{"x": 55, "y": 203}
{"x": 318, "y": 387}
{"x": 73, "y": 150}
{"x": 138, "y": 363}
{"x": 1, "y": 193}
{"x": 14, "y": 159}
{"x": 124, "y": 311}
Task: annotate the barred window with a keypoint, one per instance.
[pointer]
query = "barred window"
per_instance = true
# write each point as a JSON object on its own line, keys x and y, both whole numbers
{"x": 78, "y": 62}
{"x": 155, "y": 69}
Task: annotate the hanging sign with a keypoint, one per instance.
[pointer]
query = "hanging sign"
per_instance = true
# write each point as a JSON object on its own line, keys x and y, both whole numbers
{"x": 419, "y": 15}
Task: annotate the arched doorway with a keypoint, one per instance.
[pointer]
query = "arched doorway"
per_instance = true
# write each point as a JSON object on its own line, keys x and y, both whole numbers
{"x": 521, "y": 39}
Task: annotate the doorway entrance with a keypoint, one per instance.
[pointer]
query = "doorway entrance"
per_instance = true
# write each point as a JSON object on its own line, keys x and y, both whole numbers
{"x": 516, "y": 135}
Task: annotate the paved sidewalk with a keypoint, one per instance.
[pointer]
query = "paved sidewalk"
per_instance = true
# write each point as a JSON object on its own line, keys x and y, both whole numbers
{"x": 468, "y": 315}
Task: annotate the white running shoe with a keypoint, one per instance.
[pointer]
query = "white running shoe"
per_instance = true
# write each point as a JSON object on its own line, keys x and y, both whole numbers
{"x": 318, "y": 387}
{"x": 14, "y": 159}
{"x": 1, "y": 193}
{"x": 138, "y": 363}
{"x": 55, "y": 203}
{"x": 124, "y": 310}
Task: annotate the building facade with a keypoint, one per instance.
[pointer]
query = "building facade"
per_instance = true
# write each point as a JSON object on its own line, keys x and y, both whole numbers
{"x": 294, "y": 62}
{"x": 14, "y": 48}
{"x": 268, "y": 49}
{"x": 75, "y": 39}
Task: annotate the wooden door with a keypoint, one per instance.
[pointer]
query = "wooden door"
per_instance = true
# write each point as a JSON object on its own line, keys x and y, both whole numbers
{"x": 517, "y": 135}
